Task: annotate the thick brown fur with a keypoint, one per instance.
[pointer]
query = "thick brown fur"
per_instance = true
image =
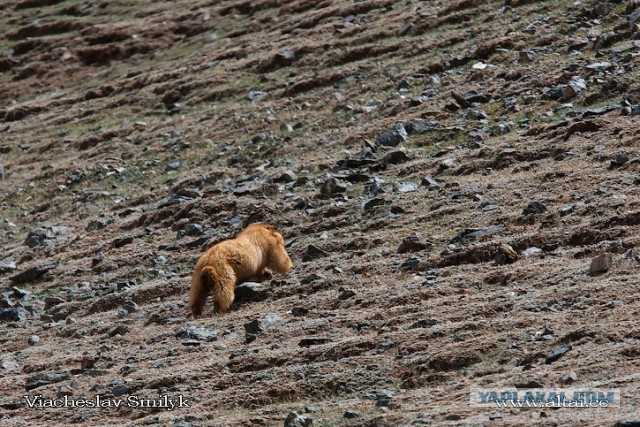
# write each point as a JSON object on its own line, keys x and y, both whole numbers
{"x": 257, "y": 251}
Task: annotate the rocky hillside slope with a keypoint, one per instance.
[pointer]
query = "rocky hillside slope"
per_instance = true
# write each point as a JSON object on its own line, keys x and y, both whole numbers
{"x": 444, "y": 173}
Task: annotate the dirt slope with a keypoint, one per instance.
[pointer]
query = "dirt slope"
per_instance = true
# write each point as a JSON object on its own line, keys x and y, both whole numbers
{"x": 399, "y": 146}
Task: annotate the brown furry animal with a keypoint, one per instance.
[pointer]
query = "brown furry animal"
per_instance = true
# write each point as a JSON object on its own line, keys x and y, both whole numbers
{"x": 252, "y": 255}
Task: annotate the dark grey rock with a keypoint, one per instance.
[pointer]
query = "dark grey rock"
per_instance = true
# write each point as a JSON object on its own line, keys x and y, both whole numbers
{"x": 21, "y": 293}
{"x": 51, "y": 301}
{"x": 413, "y": 243}
{"x": 332, "y": 186}
{"x": 628, "y": 423}
{"x": 172, "y": 166}
{"x": 255, "y": 95}
{"x": 557, "y": 354}
{"x": 314, "y": 252}
{"x": 396, "y": 157}
{"x": 346, "y": 294}
{"x": 313, "y": 277}
{"x": 299, "y": 311}
{"x": 122, "y": 241}
{"x": 308, "y": 342}
{"x": 601, "y": 264}
{"x": 7, "y": 266}
{"x": 575, "y": 86}
{"x": 40, "y": 379}
{"x": 406, "y": 187}
{"x": 472, "y": 234}
{"x": 619, "y": 161}
{"x": 34, "y": 273}
{"x": 506, "y": 255}
{"x": 200, "y": 334}
{"x": 534, "y": 208}
{"x": 410, "y": 263}
{"x": 569, "y": 378}
{"x": 393, "y": 137}
{"x": 424, "y": 323}
{"x": 117, "y": 330}
{"x": 14, "y": 314}
{"x": 37, "y": 238}
{"x": 373, "y": 187}
{"x": 351, "y": 414}
{"x": 120, "y": 390}
{"x": 430, "y": 182}
{"x": 297, "y": 420}
{"x": 373, "y": 203}
{"x": 193, "y": 230}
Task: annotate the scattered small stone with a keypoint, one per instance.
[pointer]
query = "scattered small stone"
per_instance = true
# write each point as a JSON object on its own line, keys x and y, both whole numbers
{"x": 430, "y": 182}
{"x": 313, "y": 277}
{"x": 42, "y": 378}
{"x": 557, "y": 354}
{"x": 117, "y": 330}
{"x": 575, "y": 86}
{"x": 200, "y": 334}
{"x": 413, "y": 243}
{"x": 255, "y": 95}
{"x": 506, "y": 255}
{"x": 121, "y": 390}
{"x": 287, "y": 176}
{"x": 619, "y": 161}
{"x": 346, "y": 294}
{"x": 393, "y": 137}
{"x": 314, "y": 252}
{"x": 424, "y": 323}
{"x": 569, "y": 378}
{"x": 172, "y": 166}
{"x": 33, "y": 340}
{"x": 299, "y": 311}
{"x": 446, "y": 164}
{"x": 601, "y": 264}
{"x": 308, "y": 342}
{"x": 533, "y": 250}
{"x": 37, "y": 238}
{"x": 332, "y": 186}
{"x": 406, "y": 187}
{"x": 628, "y": 423}
{"x": 7, "y": 266}
{"x": 65, "y": 390}
{"x": 505, "y": 127}
{"x": 21, "y": 293}
{"x": 13, "y": 314}
{"x": 373, "y": 203}
{"x": 297, "y": 420}
{"x": 475, "y": 141}
{"x": 52, "y": 301}
{"x": 410, "y": 264}
{"x": 88, "y": 361}
{"x": 122, "y": 241}
{"x": 534, "y": 208}
{"x": 351, "y": 414}
{"x": 566, "y": 210}
{"x": 396, "y": 157}
{"x": 383, "y": 398}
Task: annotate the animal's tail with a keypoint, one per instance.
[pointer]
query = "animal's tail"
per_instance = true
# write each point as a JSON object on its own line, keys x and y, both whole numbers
{"x": 202, "y": 283}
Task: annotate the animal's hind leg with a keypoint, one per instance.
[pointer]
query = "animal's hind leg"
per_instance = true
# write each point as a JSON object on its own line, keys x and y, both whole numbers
{"x": 200, "y": 290}
{"x": 223, "y": 291}
{"x": 279, "y": 260}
